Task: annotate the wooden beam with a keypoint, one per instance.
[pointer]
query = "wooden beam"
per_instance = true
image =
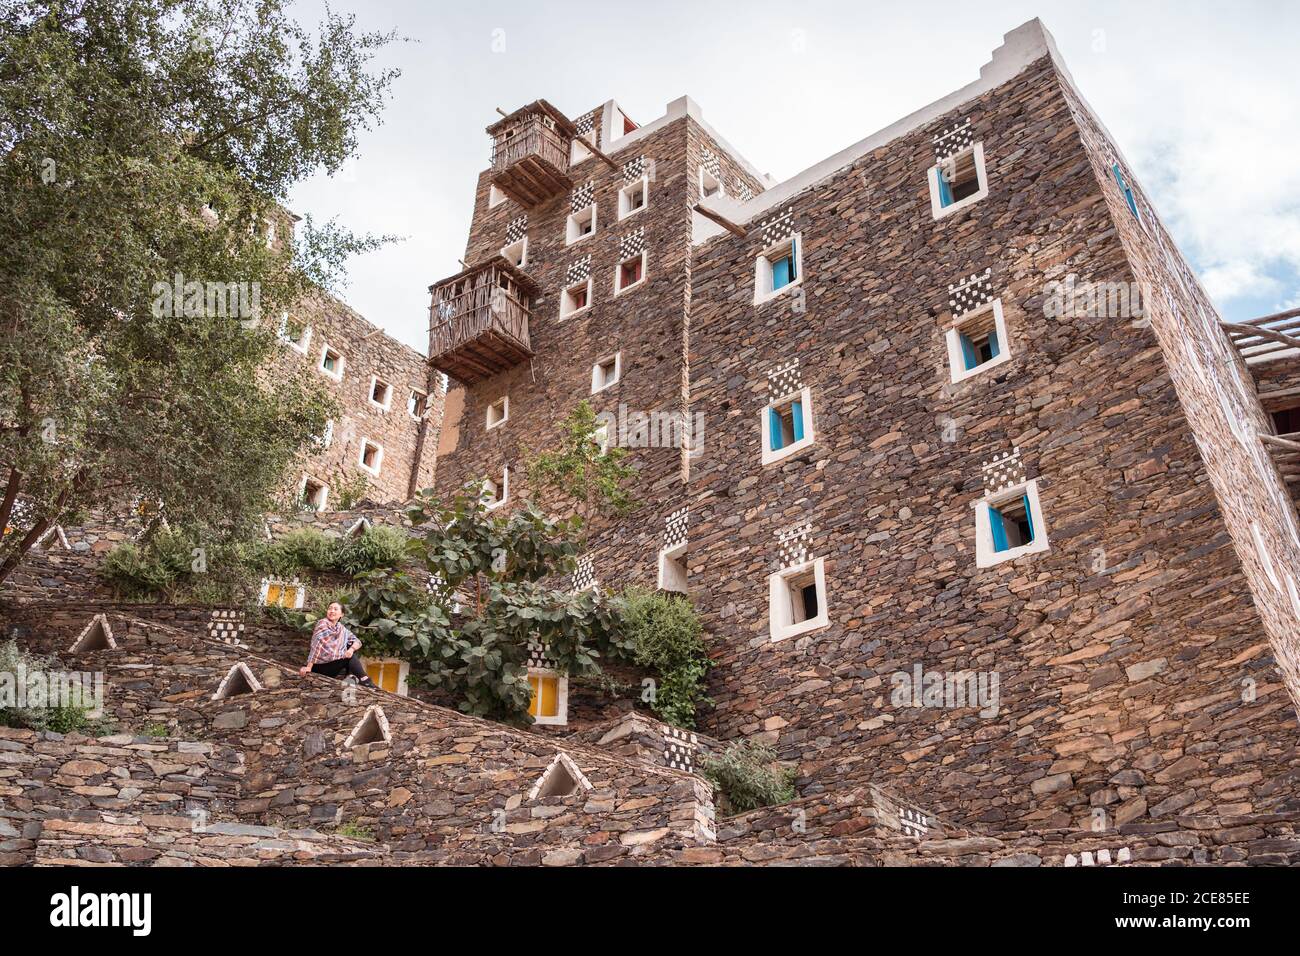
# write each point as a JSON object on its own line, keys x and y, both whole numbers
{"x": 1294, "y": 313}
{"x": 721, "y": 220}
{"x": 599, "y": 155}
{"x": 1282, "y": 337}
{"x": 1279, "y": 442}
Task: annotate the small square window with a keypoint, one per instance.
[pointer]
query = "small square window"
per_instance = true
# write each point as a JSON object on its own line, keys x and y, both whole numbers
{"x": 381, "y": 393}
{"x": 283, "y": 594}
{"x": 417, "y": 403}
{"x": 797, "y": 600}
{"x": 496, "y": 492}
{"x": 331, "y": 363}
{"x": 778, "y": 269}
{"x": 549, "y": 704}
{"x": 631, "y": 272}
{"x": 787, "y": 426}
{"x": 313, "y": 494}
{"x": 575, "y": 299}
{"x": 978, "y": 342}
{"x": 606, "y": 372}
{"x": 498, "y": 413}
{"x": 633, "y": 198}
{"x": 710, "y": 185}
{"x": 389, "y": 674}
{"x": 673, "y": 569}
{"x": 297, "y": 337}
{"x": 958, "y": 181}
{"x": 371, "y": 458}
{"x": 1009, "y": 525}
{"x": 517, "y": 253}
{"x": 495, "y": 197}
{"x": 580, "y": 225}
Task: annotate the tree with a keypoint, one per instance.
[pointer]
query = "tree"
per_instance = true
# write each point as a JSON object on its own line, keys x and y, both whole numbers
{"x": 578, "y": 474}
{"x": 146, "y": 150}
{"x": 497, "y": 567}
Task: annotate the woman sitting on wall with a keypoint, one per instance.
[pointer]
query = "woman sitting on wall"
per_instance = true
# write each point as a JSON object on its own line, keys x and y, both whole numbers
{"x": 334, "y": 648}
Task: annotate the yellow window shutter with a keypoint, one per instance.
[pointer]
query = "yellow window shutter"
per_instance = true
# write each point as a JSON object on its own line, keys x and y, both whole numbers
{"x": 272, "y": 595}
{"x": 390, "y": 672}
{"x": 550, "y": 705}
{"x": 374, "y": 670}
{"x": 289, "y": 597}
{"x": 532, "y": 704}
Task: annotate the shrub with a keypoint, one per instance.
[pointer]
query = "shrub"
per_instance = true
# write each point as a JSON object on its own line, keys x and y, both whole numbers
{"x": 666, "y": 636}
{"x": 303, "y": 548}
{"x": 747, "y": 775}
{"x": 136, "y": 572}
{"x": 65, "y": 718}
{"x": 377, "y": 547}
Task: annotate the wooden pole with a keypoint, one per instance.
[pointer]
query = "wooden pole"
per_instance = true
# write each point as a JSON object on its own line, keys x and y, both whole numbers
{"x": 721, "y": 220}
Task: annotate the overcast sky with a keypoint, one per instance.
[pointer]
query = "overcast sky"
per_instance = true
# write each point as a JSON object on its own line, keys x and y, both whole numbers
{"x": 1203, "y": 98}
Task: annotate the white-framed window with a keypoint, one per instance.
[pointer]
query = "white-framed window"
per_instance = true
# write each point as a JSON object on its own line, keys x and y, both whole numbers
{"x": 634, "y": 197}
{"x": 371, "y": 457}
{"x": 797, "y": 600}
{"x": 978, "y": 341}
{"x": 629, "y": 273}
{"x": 517, "y": 252}
{"x": 331, "y": 362}
{"x": 601, "y": 436}
{"x": 388, "y": 673}
{"x": 710, "y": 185}
{"x": 576, "y": 298}
{"x": 380, "y": 394}
{"x": 417, "y": 403}
{"x": 1127, "y": 192}
{"x": 313, "y": 493}
{"x": 606, "y": 372}
{"x": 549, "y": 704}
{"x": 498, "y": 413}
{"x": 326, "y": 438}
{"x": 959, "y": 181}
{"x": 495, "y": 197}
{"x": 1009, "y": 525}
{"x": 297, "y": 338}
{"x": 673, "y": 569}
{"x": 778, "y": 269}
{"x": 497, "y": 491}
{"x": 291, "y": 595}
{"x": 787, "y": 425}
{"x": 580, "y": 225}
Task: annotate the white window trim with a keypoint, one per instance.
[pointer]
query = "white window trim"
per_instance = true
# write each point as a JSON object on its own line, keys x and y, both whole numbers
{"x": 403, "y": 671}
{"x": 570, "y": 224}
{"x": 624, "y": 198}
{"x": 523, "y": 258}
{"x": 982, "y": 193}
{"x": 580, "y": 150}
{"x": 618, "y": 274}
{"x": 503, "y": 490}
{"x": 325, "y": 489}
{"x": 804, "y": 396}
{"x": 778, "y": 601}
{"x": 722, "y": 186}
{"x": 504, "y": 402}
{"x": 601, "y": 434}
{"x": 424, "y": 395}
{"x": 327, "y": 436}
{"x": 957, "y": 362}
{"x": 985, "y": 556}
{"x": 303, "y": 345}
{"x": 496, "y": 197}
{"x": 379, "y": 458}
{"x": 320, "y": 364}
{"x": 564, "y": 298}
{"x": 299, "y": 600}
{"x": 763, "y": 291}
{"x": 387, "y": 403}
{"x": 667, "y": 578}
{"x": 618, "y": 372}
{"x": 561, "y": 717}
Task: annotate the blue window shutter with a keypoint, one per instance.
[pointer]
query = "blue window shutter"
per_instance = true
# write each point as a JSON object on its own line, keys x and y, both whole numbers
{"x": 999, "y": 529}
{"x": 945, "y": 191}
{"x": 1126, "y": 189}
{"x": 968, "y": 352}
{"x": 796, "y": 412}
{"x": 781, "y": 273}
{"x": 774, "y": 428}
{"x": 1029, "y": 518}
{"x": 993, "y": 344}
{"x": 794, "y": 269}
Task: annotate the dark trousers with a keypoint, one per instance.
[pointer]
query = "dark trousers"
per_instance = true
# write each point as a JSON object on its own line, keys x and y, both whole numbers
{"x": 342, "y": 666}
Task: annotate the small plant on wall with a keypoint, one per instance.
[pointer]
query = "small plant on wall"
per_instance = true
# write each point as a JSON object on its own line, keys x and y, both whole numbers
{"x": 665, "y": 636}
{"x": 579, "y": 475}
{"x": 747, "y": 777}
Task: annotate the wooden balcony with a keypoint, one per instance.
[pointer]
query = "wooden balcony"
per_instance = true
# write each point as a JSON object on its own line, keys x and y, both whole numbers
{"x": 530, "y": 154}
{"x": 478, "y": 321}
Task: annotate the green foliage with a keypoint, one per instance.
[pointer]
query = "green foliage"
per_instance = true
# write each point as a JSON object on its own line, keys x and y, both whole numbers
{"x": 577, "y": 474}
{"x": 356, "y": 831}
{"x": 748, "y": 776}
{"x": 378, "y": 546}
{"x": 152, "y": 109}
{"x": 495, "y": 565}
{"x": 666, "y": 636}
{"x": 70, "y": 716}
{"x": 348, "y": 489}
{"x": 156, "y": 730}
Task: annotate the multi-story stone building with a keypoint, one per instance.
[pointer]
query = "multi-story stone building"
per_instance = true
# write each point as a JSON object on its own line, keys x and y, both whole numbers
{"x": 923, "y": 469}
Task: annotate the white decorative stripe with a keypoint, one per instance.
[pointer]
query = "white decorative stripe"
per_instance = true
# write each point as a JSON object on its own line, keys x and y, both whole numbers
{"x": 777, "y": 227}
{"x": 952, "y": 141}
{"x": 1004, "y": 471}
{"x": 584, "y": 196}
{"x": 784, "y": 380}
{"x": 971, "y": 293}
{"x": 633, "y": 244}
{"x": 578, "y": 271}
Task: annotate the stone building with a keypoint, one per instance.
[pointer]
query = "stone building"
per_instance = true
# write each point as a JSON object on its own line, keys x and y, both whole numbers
{"x": 969, "y": 423}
